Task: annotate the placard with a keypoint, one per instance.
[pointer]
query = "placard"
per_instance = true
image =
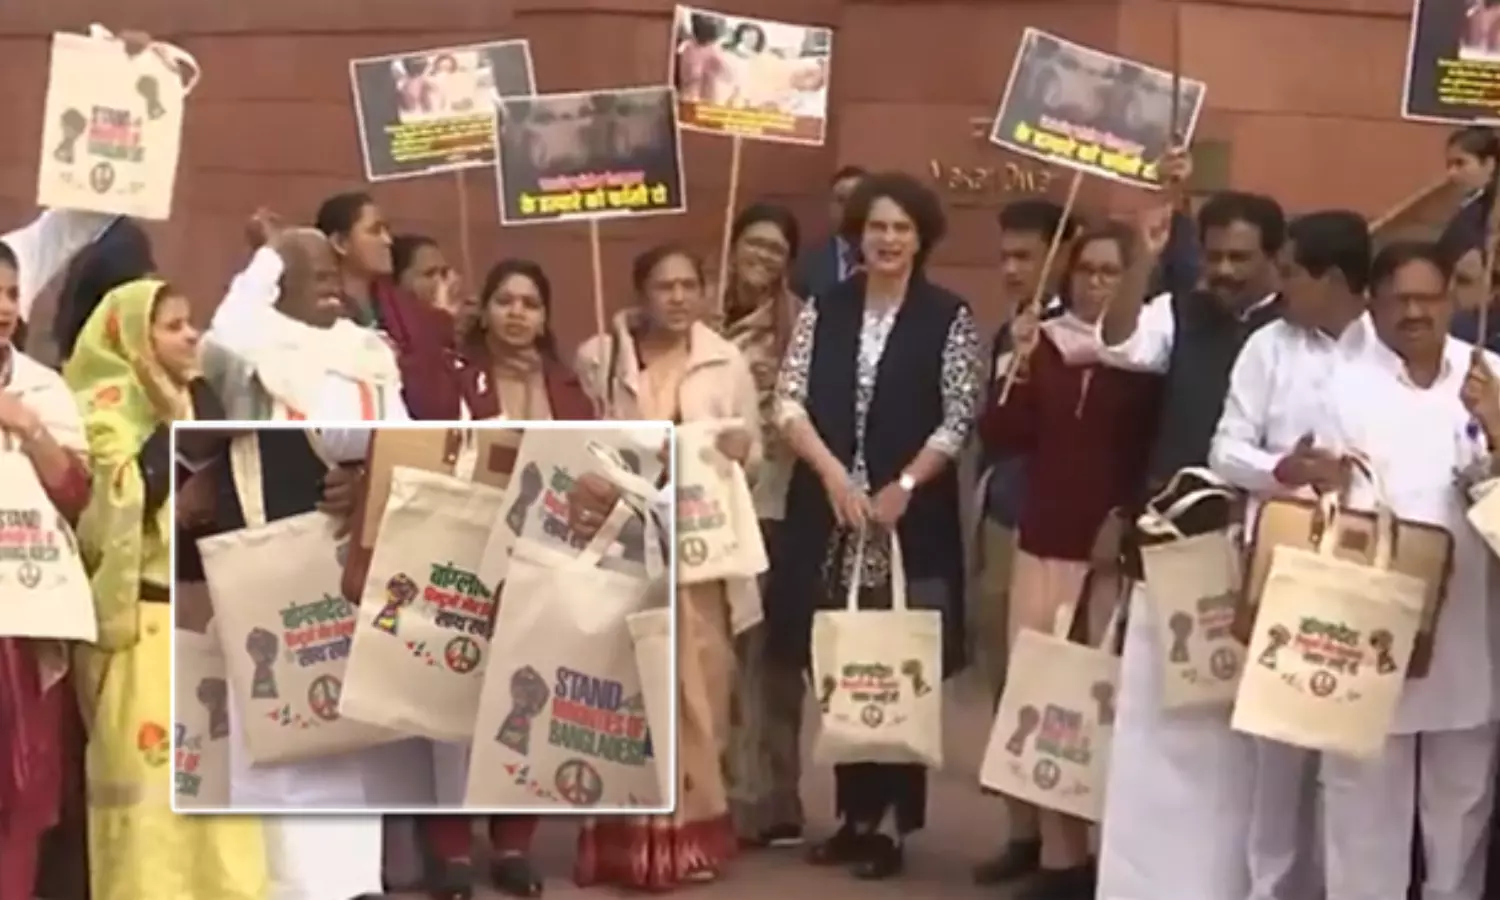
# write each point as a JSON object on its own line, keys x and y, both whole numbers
{"x": 1084, "y": 109}
{"x": 1453, "y": 63}
{"x": 589, "y": 154}
{"x": 434, "y": 110}
{"x": 112, "y": 127}
{"x": 754, "y": 78}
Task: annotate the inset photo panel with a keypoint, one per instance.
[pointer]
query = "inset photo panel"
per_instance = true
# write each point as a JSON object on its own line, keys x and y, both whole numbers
{"x": 463, "y": 616}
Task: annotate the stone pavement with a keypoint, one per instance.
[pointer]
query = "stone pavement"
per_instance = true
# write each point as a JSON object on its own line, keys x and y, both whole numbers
{"x": 963, "y": 827}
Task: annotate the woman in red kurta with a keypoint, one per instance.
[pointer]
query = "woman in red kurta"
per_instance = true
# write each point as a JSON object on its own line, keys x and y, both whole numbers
{"x": 1084, "y": 430}
{"x": 508, "y": 366}
{"x": 39, "y": 420}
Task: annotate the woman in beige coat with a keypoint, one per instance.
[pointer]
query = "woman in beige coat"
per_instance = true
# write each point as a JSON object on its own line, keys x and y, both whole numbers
{"x": 658, "y": 361}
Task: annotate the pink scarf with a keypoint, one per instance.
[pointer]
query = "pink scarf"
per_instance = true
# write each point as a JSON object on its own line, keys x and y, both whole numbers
{"x": 1076, "y": 341}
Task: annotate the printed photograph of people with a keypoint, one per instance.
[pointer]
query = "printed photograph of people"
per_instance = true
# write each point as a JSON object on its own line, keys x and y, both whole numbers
{"x": 362, "y": 611}
{"x": 589, "y": 153}
{"x": 433, "y": 110}
{"x": 1480, "y": 36}
{"x": 1071, "y": 90}
{"x": 751, "y": 77}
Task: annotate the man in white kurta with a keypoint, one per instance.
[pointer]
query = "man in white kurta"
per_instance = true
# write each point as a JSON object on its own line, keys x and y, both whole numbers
{"x": 313, "y": 373}
{"x": 1404, "y": 405}
{"x": 1263, "y": 446}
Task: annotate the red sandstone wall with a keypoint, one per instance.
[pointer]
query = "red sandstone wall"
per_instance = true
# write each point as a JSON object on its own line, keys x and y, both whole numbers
{"x": 1307, "y": 98}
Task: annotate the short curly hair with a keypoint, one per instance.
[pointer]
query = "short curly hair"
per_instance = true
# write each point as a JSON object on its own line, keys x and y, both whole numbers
{"x": 916, "y": 199}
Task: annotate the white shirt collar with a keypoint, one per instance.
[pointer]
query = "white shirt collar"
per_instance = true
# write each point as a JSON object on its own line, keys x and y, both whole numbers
{"x": 1391, "y": 361}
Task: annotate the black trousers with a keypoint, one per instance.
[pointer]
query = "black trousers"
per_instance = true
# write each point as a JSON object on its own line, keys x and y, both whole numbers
{"x": 865, "y": 792}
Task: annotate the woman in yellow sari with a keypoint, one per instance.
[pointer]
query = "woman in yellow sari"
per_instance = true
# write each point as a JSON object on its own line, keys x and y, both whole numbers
{"x": 130, "y": 373}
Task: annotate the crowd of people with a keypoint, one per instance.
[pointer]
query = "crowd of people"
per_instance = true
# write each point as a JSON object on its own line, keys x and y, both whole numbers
{"x": 1262, "y": 349}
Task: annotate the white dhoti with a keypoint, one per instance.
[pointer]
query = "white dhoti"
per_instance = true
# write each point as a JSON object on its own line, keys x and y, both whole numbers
{"x": 1284, "y": 858}
{"x": 450, "y": 772}
{"x": 1177, "y": 807}
{"x": 328, "y": 857}
{"x": 1445, "y": 777}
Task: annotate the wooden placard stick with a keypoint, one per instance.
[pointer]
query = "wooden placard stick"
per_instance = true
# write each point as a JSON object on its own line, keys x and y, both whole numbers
{"x": 465, "y": 248}
{"x": 1407, "y": 202}
{"x": 1019, "y": 358}
{"x": 731, "y": 201}
{"x": 596, "y": 265}
{"x": 1491, "y": 251}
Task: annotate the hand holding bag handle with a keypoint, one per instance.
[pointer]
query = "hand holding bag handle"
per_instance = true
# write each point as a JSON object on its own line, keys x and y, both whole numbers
{"x": 898, "y": 573}
{"x": 174, "y": 57}
{"x": 636, "y": 496}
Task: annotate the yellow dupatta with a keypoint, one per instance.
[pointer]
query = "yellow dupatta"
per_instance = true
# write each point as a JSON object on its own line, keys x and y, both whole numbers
{"x": 124, "y": 395}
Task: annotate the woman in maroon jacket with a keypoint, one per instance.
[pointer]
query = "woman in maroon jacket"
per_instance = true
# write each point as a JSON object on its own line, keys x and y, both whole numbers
{"x": 507, "y": 365}
{"x": 1084, "y": 430}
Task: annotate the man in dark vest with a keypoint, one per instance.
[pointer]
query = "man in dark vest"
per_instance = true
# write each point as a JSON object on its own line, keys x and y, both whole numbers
{"x": 1185, "y": 770}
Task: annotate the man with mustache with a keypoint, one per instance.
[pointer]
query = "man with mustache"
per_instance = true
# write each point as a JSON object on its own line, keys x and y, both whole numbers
{"x": 1185, "y": 768}
{"x": 1265, "y": 446}
{"x": 1424, "y": 409}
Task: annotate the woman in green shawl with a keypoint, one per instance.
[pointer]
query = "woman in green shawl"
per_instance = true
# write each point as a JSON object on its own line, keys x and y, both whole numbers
{"x": 132, "y": 373}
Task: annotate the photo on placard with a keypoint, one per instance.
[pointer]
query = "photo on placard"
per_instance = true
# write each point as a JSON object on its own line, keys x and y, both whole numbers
{"x": 500, "y": 591}
{"x": 1453, "y": 63}
{"x": 753, "y": 78}
{"x": 434, "y": 110}
{"x": 589, "y": 154}
{"x": 1084, "y": 109}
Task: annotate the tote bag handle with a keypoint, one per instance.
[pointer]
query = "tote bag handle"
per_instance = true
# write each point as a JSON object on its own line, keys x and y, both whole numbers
{"x": 898, "y": 572}
{"x": 1163, "y": 523}
{"x": 1385, "y": 516}
{"x": 175, "y": 58}
{"x": 245, "y": 468}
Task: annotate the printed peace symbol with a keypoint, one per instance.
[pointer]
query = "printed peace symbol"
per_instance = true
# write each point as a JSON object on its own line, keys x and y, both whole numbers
{"x": 1322, "y": 684}
{"x": 872, "y": 715}
{"x": 694, "y": 550}
{"x": 462, "y": 655}
{"x": 1046, "y": 774}
{"x": 1224, "y": 663}
{"x": 30, "y": 574}
{"x": 323, "y": 697}
{"x": 579, "y": 783}
{"x": 102, "y": 178}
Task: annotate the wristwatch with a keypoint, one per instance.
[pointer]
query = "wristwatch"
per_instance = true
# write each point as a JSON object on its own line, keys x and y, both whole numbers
{"x": 907, "y": 482}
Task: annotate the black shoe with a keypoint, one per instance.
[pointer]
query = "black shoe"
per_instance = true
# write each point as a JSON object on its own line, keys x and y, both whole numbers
{"x": 845, "y": 847}
{"x": 450, "y": 880}
{"x": 513, "y": 876}
{"x": 1072, "y": 883}
{"x": 884, "y": 859}
{"x": 781, "y": 836}
{"x": 1017, "y": 860}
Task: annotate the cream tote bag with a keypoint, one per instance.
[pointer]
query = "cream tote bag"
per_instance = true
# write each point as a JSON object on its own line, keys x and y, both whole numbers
{"x": 654, "y": 637}
{"x": 284, "y": 625}
{"x": 1193, "y": 586}
{"x": 562, "y": 715}
{"x": 1484, "y": 512}
{"x": 201, "y": 709}
{"x": 718, "y": 534}
{"x": 112, "y": 129}
{"x": 1049, "y": 744}
{"x": 424, "y": 619}
{"x": 878, "y": 678}
{"x": 1331, "y": 645}
{"x": 44, "y": 591}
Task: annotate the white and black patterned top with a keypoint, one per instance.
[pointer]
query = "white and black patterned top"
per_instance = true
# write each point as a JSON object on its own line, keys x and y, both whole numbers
{"x": 962, "y": 378}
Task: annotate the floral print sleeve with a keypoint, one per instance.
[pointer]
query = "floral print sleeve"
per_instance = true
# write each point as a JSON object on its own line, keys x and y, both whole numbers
{"x": 796, "y": 365}
{"x": 962, "y": 383}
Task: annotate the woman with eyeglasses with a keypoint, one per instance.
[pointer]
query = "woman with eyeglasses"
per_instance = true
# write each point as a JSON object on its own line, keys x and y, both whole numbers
{"x": 1085, "y": 431}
